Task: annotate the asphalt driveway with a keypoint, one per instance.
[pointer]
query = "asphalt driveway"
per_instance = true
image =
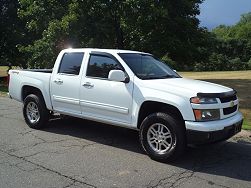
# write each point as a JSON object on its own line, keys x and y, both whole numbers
{"x": 80, "y": 153}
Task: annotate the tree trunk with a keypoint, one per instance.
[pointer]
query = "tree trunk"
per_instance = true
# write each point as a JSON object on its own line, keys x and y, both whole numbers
{"x": 119, "y": 34}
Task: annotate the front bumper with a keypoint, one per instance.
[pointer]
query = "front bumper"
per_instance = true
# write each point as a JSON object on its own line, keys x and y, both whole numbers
{"x": 213, "y": 131}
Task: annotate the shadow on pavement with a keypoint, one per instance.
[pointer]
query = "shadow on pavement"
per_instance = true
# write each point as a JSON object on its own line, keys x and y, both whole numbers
{"x": 97, "y": 132}
{"x": 229, "y": 159}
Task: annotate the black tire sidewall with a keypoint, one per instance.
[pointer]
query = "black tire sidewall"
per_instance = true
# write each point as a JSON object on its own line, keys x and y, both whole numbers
{"x": 43, "y": 112}
{"x": 177, "y": 133}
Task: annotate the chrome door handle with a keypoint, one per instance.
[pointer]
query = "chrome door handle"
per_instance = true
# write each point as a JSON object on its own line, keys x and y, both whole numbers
{"x": 88, "y": 85}
{"x": 58, "y": 81}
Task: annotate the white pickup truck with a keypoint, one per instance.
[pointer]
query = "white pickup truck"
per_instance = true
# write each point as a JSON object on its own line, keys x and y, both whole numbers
{"x": 130, "y": 89}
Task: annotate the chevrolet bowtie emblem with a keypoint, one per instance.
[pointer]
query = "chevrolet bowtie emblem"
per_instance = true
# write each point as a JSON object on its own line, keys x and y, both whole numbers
{"x": 231, "y": 103}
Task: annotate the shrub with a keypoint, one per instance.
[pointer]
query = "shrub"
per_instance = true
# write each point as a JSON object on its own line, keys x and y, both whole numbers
{"x": 220, "y": 62}
{"x": 236, "y": 64}
{"x": 172, "y": 64}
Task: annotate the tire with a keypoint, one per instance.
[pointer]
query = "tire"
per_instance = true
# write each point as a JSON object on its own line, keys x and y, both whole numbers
{"x": 162, "y": 137}
{"x": 35, "y": 112}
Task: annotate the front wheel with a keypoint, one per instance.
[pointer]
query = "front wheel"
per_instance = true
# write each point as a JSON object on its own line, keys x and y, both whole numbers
{"x": 162, "y": 137}
{"x": 35, "y": 112}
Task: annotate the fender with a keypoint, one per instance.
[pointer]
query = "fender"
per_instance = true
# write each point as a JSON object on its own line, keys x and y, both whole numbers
{"x": 148, "y": 94}
{"x": 40, "y": 86}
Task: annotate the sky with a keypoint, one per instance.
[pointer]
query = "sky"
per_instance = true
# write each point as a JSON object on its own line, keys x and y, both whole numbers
{"x": 227, "y": 12}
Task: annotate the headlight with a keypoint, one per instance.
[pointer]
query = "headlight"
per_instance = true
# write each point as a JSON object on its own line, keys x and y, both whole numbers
{"x": 197, "y": 100}
{"x": 206, "y": 114}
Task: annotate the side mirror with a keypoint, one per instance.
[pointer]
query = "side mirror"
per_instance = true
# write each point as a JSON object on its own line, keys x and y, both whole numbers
{"x": 118, "y": 76}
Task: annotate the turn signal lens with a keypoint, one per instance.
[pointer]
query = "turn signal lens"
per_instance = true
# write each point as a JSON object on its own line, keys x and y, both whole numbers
{"x": 197, "y": 114}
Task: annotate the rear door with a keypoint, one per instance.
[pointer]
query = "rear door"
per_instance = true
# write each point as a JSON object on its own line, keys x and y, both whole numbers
{"x": 65, "y": 83}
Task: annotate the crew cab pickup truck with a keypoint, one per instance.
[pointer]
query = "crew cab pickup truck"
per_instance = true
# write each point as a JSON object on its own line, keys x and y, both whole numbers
{"x": 129, "y": 89}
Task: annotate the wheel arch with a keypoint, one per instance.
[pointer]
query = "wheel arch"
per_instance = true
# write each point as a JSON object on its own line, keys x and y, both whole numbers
{"x": 149, "y": 107}
{"x": 27, "y": 90}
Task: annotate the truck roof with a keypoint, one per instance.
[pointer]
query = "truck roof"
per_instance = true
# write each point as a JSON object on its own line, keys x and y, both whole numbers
{"x": 101, "y": 50}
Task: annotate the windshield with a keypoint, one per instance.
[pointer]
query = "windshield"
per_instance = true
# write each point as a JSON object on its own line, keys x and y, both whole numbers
{"x": 147, "y": 67}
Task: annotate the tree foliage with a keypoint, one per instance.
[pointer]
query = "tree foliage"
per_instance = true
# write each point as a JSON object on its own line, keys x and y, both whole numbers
{"x": 34, "y": 31}
{"x": 11, "y": 29}
{"x": 155, "y": 26}
{"x": 240, "y": 31}
{"x": 234, "y": 43}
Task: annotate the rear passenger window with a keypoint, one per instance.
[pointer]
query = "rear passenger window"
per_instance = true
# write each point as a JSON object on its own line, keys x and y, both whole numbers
{"x": 71, "y": 63}
{"x": 100, "y": 66}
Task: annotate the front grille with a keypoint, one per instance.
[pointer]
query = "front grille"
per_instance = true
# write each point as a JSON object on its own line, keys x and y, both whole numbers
{"x": 229, "y": 110}
{"x": 228, "y": 99}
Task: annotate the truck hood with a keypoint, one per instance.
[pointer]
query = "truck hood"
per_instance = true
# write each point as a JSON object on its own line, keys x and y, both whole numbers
{"x": 184, "y": 87}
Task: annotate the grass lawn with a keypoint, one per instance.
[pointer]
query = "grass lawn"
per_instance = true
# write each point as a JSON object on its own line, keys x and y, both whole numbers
{"x": 239, "y": 80}
{"x": 3, "y": 70}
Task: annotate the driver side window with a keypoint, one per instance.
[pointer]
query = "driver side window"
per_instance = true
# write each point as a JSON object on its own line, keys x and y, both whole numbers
{"x": 99, "y": 66}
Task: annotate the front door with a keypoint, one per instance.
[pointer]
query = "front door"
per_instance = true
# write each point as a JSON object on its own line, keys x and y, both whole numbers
{"x": 101, "y": 98}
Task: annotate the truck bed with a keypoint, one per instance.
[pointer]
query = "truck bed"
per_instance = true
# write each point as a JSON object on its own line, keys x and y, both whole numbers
{"x": 38, "y": 78}
{"x": 39, "y": 70}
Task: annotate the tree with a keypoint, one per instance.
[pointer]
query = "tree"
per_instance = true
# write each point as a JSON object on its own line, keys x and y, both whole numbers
{"x": 241, "y": 30}
{"x": 245, "y": 18}
{"x": 235, "y": 42}
{"x": 157, "y": 26}
{"x": 11, "y": 29}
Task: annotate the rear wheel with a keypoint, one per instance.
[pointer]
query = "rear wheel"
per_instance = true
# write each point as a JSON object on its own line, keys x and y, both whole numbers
{"x": 162, "y": 137}
{"x": 35, "y": 112}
